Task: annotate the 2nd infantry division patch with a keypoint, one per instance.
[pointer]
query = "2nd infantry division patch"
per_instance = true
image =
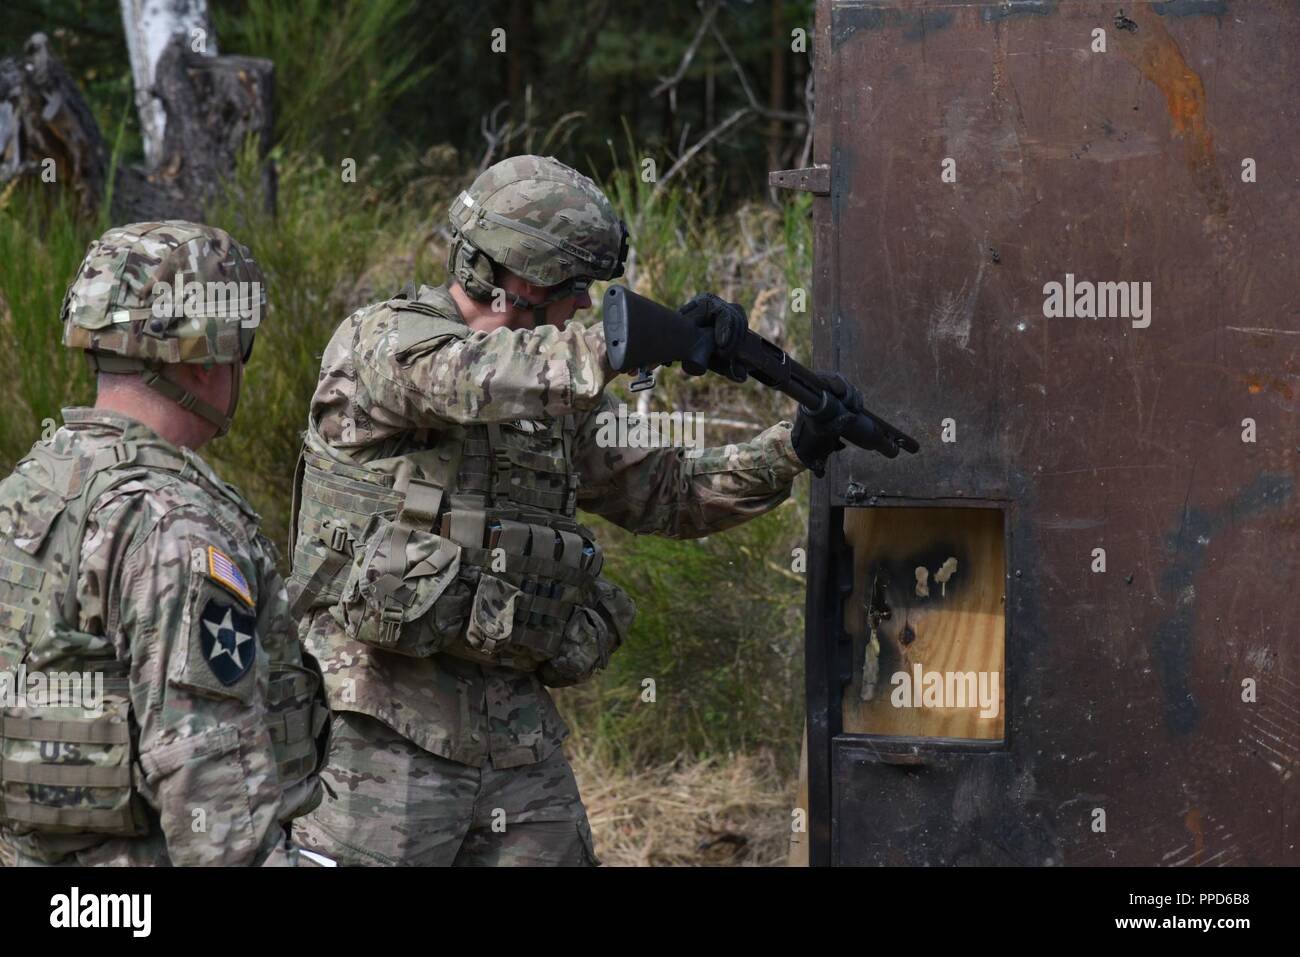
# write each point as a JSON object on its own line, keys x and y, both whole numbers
{"x": 228, "y": 639}
{"x": 226, "y": 573}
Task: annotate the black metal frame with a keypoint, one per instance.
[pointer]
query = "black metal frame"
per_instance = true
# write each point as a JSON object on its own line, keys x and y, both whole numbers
{"x": 828, "y": 657}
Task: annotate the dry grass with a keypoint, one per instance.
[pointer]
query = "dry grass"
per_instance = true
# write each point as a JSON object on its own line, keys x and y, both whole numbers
{"x": 716, "y": 812}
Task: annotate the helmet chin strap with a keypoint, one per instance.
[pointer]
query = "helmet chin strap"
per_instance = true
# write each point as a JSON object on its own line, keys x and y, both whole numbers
{"x": 155, "y": 380}
{"x": 478, "y": 283}
{"x": 153, "y": 377}
{"x": 539, "y": 308}
{"x": 236, "y": 383}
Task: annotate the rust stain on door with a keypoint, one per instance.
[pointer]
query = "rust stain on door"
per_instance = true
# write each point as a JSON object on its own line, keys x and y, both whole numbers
{"x": 1148, "y": 45}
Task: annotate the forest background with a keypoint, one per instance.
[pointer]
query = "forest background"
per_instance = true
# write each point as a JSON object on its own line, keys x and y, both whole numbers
{"x": 679, "y": 110}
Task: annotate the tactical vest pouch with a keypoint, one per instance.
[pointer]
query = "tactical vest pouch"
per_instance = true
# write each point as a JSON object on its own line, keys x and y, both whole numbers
{"x": 618, "y": 607}
{"x": 397, "y": 575}
{"x": 491, "y": 624}
{"x": 298, "y": 720}
{"x": 584, "y": 648}
{"x": 593, "y": 634}
{"x": 68, "y": 769}
{"x": 527, "y": 579}
{"x": 336, "y": 501}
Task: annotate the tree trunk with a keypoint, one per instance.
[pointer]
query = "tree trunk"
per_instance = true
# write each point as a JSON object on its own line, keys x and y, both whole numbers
{"x": 212, "y": 106}
{"x": 150, "y": 26}
{"x": 519, "y": 55}
{"x": 776, "y": 96}
{"x": 47, "y": 128}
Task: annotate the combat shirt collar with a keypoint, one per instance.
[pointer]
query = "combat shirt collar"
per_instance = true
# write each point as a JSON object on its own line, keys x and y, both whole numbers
{"x": 106, "y": 420}
{"x": 102, "y": 421}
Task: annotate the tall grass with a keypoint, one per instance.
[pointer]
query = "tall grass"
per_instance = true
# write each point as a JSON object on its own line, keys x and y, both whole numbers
{"x": 720, "y": 623}
{"x": 41, "y": 243}
{"x": 338, "y": 66}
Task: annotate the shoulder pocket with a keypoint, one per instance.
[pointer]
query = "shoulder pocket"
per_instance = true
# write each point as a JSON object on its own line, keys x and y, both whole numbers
{"x": 418, "y": 326}
{"x": 28, "y": 510}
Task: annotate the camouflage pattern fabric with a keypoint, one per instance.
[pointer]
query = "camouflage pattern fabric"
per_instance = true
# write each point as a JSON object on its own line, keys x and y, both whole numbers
{"x": 110, "y": 304}
{"x": 176, "y": 583}
{"x": 540, "y": 219}
{"x": 384, "y": 381}
{"x": 395, "y": 804}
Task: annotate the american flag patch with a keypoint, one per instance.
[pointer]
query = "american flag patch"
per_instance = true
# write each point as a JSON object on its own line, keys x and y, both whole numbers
{"x": 221, "y": 569}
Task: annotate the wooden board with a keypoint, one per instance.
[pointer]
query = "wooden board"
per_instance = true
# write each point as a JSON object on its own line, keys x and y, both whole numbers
{"x": 940, "y": 573}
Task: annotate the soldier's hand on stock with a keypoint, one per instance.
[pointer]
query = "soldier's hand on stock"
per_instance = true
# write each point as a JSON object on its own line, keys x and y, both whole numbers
{"x": 708, "y": 310}
{"x": 817, "y": 432}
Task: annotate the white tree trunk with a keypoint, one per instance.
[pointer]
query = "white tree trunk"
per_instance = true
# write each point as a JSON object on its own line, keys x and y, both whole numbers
{"x": 150, "y": 25}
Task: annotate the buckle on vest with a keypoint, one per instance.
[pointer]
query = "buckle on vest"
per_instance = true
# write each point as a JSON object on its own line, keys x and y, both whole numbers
{"x": 338, "y": 538}
{"x": 390, "y": 623}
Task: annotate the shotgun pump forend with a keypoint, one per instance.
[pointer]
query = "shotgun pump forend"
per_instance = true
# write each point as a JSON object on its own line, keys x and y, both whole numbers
{"x": 641, "y": 334}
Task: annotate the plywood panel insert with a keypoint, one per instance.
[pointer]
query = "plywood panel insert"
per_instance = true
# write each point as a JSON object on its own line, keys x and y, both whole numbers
{"x": 932, "y": 583}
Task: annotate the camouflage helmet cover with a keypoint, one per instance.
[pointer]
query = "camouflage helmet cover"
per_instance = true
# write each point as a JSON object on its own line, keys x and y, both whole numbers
{"x": 542, "y": 220}
{"x": 165, "y": 292}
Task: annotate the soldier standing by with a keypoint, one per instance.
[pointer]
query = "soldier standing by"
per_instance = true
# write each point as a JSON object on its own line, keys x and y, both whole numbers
{"x": 441, "y": 575}
{"x": 124, "y": 556}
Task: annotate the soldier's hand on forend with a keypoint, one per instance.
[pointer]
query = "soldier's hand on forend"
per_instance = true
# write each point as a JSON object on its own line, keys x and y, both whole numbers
{"x": 817, "y": 432}
{"x": 708, "y": 310}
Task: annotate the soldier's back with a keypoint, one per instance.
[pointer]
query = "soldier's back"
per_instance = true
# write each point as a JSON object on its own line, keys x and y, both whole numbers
{"x": 127, "y": 559}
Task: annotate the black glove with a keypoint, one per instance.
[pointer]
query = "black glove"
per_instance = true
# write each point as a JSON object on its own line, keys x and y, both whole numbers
{"x": 710, "y": 311}
{"x": 817, "y": 432}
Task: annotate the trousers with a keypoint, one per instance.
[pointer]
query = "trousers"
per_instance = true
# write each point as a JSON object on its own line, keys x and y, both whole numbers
{"x": 389, "y": 802}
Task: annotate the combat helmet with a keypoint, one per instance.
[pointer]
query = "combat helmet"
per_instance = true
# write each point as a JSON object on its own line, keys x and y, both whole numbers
{"x": 150, "y": 295}
{"x": 541, "y": 220}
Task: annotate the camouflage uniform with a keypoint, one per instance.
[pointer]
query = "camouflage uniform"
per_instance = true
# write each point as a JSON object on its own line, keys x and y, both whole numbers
{"x": 126, "y": 556}
{"x": 447, "y": 720}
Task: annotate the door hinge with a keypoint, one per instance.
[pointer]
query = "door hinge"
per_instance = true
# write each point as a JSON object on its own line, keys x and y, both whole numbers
{"x": 811, "y": 179}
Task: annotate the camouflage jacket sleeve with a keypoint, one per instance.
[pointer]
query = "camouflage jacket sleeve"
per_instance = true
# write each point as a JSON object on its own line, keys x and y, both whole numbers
{"x": 485, "y": 377}
{"x": 198, "y": 680}
{"x": 679, "y": 492}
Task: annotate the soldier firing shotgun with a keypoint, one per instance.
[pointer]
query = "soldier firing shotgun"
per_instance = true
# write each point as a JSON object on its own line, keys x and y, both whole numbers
{"x": 709, "y": 334}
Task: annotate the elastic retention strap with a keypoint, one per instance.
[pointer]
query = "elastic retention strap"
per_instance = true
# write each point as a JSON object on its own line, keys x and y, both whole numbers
{"x": 153, "y": 377}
